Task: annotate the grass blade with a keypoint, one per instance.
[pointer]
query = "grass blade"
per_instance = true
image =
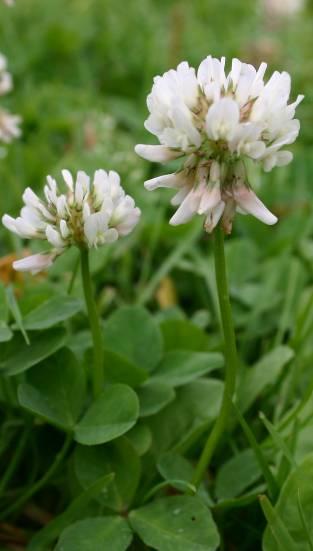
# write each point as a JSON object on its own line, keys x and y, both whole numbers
{"x": 267, "y": 473}
{"x": 277, "y": 439}
{"x": 277, "y": 527}
{"x": 16, "y": 313}
{"x": 304, "y": 522}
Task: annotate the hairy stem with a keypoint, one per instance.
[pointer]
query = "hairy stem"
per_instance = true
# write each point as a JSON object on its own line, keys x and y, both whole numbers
{"x": 230, "y": 352}
{"x": 97, "y": 374}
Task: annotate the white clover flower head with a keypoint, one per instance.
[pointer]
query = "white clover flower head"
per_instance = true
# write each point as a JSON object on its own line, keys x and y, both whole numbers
{"x": 9, "y": 126}
{"x": 89, "y": 214}
{"x": 285, "y": 8}
{"x": 5, "y": 77}
{"x": 213, "y": 121}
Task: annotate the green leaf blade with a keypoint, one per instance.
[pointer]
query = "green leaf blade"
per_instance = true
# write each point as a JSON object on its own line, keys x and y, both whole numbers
{"x": 92, "y": 462}
{"x": 112, "y": 414}
{"x": 176, "y": 524}
{"x": 180, "y": 367}
{"x": 20, "y": 357}
{"x": 52, "y": 312}
{"x": 141, "y": 341}
{"x": 96, "y": 534}
{"x": 55, "y": 390}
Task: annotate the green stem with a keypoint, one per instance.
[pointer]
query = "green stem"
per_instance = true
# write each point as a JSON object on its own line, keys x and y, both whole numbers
{"x": 40, "y": 483}
{"x": 12, "y": 465}
{"x": 73, "y": 276}
{"x": 97, "y": 372}
{"x": 230, "y": 352}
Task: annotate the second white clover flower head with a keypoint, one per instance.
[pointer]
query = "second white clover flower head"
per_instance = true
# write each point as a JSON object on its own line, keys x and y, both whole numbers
{"x": 89, "y": 214}
{"x": 214, "y": 121}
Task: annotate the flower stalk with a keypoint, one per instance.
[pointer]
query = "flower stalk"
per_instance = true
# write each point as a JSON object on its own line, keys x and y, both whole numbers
{"x": 97, "y": 374}
{"x": 231, "y": 359}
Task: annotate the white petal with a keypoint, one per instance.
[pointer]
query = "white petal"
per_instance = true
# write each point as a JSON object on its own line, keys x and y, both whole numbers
{"x": 279, "y": 158}
{"x": 94, "y": 228}
{"x": 283, "y": 158}
{"x": 9, "y": 126}
{"x": 186, "y": 210}
{"x": 51, "y": 190}
{"x": 269, "y": 162}
{"x": 68, "y": 179}
{"x": 183, "y": 122}
{"x": 33, "y": 218}
{"x": 212, "y": 70}
{"x": 251, "y": 204}
{"x": 62, "y": 207}
{"x": 125, "y": 215}
{"x": 287, "y": 136}
{"x": 180, "y": 196}
{"x": 210, "y": 198}
{"x": 214, "y": 217}
{"x": 99, "y": 176}
{"x": 35, "y": 263}
{"x": 255, "y": 150}
{"x": 6, "y": 83}
{"x": 111, "y": 235}
{"x": 86, "y": 211}
{"x": 168, "y": 180}
{"x": 54, "y": 238}
{"x": 215, "y": 172}
{"x": 21, "y": 227}
{"x": 291, "y": 109}
{"x": 222, "y": 119}
{"x": 157, "y": 153}
{"x": 81, "y": 187}
{"x": 260, "y": 72}
{"x": 65, "y": 232}
{"x": 9, "y": 223}
{"x": 30, "y": 198}
{"x": 235, "y": 72}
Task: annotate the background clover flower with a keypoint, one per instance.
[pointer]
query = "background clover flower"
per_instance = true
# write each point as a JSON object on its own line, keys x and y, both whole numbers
{"x": 5, "y": 77}
{"x": 277, "y": 8}
{"x": 213, "y": 121}
{"x": 9, "y": 124}
{"x": 89, "y": 214}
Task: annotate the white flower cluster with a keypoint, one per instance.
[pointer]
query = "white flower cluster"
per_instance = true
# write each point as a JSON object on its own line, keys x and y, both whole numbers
{"x": 283, "y": 8}
{"x": 215, "y": 121}
{"x": 9, "y": 124}
{"x": 9, "y": 2}
{"x": 88, "y": 215}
